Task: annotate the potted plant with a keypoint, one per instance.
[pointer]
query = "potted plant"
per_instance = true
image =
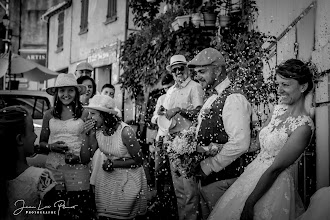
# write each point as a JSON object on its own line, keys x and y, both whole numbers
{"x": 224, "y": 14}
{"x": 209, "y": 13}
{"x": 180, "y": 21}
{"x": 188, "y": 10}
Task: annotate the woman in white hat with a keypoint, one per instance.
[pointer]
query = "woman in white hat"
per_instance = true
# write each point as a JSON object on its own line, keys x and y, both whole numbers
{"x": 117, "y": 172}
{"x": 61, "y": 137}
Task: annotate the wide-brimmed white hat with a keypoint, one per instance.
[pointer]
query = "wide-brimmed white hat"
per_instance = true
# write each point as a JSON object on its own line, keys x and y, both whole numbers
{"x": 176, "y": 59}
{"x": 66, "y": 80}
{"x": 102, "y": 103}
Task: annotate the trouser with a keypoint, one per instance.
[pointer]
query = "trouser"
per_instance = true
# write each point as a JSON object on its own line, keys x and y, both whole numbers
{"x": 162, "y": 169}
{"x": 210, "y": 194}
{"x": 187, "y": 195}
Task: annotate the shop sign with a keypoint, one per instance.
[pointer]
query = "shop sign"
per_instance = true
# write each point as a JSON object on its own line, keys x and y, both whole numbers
{"x": 103, "y": 56}
{"x": 39, "y": 58}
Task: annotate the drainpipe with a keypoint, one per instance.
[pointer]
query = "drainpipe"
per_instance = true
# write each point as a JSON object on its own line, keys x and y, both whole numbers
{"x": 20, "y": 27}
{"x": 125, "y": 38}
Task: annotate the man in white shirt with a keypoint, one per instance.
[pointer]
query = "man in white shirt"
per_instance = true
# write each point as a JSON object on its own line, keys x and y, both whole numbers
{"x": 223, "y": 122}
{"x": 182, "y": 103}
{"x": 161, "y": 160}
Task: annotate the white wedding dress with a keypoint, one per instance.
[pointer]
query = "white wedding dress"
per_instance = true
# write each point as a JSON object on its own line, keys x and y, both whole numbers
{"x": 281, "y": 202}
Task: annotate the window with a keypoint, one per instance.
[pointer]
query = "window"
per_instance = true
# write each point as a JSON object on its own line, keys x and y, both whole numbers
{"x": 112, "y": 11}
{"x": 60, "y": 31}
{"x": 84, "y": 16}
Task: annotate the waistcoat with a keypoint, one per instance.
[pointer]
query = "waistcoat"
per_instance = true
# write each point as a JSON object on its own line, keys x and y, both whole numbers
{"x": 212, "y": 131}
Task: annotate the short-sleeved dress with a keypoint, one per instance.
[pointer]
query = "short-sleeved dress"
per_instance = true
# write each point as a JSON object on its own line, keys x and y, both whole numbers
{"x": 30, "y": 187}
{"x": 281, "y": 201}
{"x": 120, "y": 193}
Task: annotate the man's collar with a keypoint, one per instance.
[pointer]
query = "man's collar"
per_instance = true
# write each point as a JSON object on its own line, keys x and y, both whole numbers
{"x": 183, "y": 84}
{"x": 222, "y": 86}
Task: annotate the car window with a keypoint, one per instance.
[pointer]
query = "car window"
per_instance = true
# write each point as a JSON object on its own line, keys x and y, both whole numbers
{"x": 36, "y": 105}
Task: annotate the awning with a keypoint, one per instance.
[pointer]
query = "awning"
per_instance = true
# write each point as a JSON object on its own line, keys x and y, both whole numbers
{"x": 30, "y": 70}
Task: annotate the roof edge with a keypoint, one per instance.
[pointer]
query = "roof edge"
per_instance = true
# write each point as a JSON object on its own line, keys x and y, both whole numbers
{"x": 55, "y": 9}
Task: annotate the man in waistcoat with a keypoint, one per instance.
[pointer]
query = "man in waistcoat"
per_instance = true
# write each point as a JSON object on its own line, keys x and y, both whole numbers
{"x": 223, "y": 122}
{"x": 182, "y": 103}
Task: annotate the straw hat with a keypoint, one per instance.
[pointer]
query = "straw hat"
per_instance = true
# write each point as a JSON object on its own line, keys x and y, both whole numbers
{"x": 66, "y": 80}
{"x": 176, "y": 59}
{"x": 102, "y": 103}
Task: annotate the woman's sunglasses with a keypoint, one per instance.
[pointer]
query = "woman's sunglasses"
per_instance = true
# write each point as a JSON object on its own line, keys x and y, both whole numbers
{"x": 180, "y": 69}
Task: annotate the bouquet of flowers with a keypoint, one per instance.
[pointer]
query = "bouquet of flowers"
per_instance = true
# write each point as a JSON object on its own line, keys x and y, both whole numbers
{"x": 183, "y": 152}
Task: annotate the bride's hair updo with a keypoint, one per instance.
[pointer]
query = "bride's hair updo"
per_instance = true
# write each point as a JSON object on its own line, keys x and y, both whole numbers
{"x": 298, "y": 70}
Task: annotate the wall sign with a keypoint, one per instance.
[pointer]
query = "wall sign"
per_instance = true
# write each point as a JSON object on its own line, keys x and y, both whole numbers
{"x": 103, "y": 56}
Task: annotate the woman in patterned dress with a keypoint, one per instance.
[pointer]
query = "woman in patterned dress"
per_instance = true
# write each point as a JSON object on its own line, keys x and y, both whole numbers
{"x": 117, "y": 172}
{"x": 61, "y": 136}
{"x": 266, "y": 190}
{"x": 21, "y": 185}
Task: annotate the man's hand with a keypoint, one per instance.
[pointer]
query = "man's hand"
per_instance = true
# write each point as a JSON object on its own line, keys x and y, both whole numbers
{"x": 172, "y": 112}
{"x": 161, "y": 110}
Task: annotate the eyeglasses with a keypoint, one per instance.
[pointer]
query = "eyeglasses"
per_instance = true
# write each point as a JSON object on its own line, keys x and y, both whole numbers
{"x": 181, "y": 69}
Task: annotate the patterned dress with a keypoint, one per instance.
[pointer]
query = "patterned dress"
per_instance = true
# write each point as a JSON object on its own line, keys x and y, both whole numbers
{"x": 120, "y": 193}
{"x": 30, "y": 187}
{"x": 281, "y": 202}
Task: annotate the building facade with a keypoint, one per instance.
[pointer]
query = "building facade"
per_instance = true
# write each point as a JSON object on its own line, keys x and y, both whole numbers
{"x": 90, "y": 31}
{"x": 27, "y": 34}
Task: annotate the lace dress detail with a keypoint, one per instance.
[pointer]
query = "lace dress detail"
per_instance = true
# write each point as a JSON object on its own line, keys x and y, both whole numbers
{"x": 69, "y": 177}
{"x": 120, "y": 193}
{"x": 281, "y": 201}
{"x": 68, "y": 131}
{"x": 30, "y": 186}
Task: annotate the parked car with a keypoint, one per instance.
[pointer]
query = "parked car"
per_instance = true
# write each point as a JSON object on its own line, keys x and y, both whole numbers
{"x": 37, "y": 103}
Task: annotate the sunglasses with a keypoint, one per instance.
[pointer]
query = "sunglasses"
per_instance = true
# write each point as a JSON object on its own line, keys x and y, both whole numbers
{"x": 181, "y": 69}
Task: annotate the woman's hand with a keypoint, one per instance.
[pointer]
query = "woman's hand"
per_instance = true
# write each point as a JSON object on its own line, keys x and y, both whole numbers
{"x": 88, "y": 126}
{"x": 70, "y": 158}
{"x": 58, "y": 147}
{"x": 107, "y": 165}
{"x": 247, "y": 213}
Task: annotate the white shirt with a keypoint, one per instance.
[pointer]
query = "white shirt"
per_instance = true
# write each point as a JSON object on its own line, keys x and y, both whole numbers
{"x": 187, "y": 95}
{"x": 236, "y": 116}
{"x": 155, "y": 116}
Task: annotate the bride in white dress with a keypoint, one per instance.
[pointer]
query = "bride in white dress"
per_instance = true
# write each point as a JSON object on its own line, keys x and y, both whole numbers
{"x": 266, "y": 190}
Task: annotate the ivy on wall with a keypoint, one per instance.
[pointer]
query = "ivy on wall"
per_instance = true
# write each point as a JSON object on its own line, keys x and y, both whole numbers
{"x": 146, "y": 53}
